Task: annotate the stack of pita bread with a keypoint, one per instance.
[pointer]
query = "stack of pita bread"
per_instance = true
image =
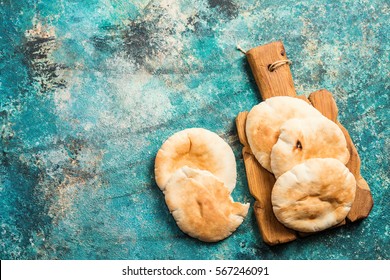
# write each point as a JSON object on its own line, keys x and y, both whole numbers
{"x": 196, "y": 170}
{"x": 307, "y": 153}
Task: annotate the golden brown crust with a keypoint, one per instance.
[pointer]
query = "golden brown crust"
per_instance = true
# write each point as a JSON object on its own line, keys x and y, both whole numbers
{"x": 202, "y": 205}
{"x": 197, "y": 148}
{"x": 265, "y": 119}
{"x": 302, "y": 139}
{"x": 314, "y": 195}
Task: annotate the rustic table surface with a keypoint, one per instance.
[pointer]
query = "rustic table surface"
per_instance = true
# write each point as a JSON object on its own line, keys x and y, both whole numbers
{"x": 89, "y": 90}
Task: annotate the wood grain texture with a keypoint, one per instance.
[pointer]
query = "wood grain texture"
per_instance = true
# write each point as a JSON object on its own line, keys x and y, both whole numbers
{"x": 323, "y": 101}
{"x": 260, "y": 181}
{"x": 275, "y": 83}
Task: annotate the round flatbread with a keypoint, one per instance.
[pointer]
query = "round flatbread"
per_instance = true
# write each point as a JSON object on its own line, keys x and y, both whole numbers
{"x": 202, "y": 206}
{"x": 314, "y": 195}
{"x": 264, "y": 121}
{"x": 302, "y": 139}
{"x": 197, "y": 148}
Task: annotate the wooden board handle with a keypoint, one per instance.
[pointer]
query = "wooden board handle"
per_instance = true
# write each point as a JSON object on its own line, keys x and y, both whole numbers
{"x": 271, "y": 83}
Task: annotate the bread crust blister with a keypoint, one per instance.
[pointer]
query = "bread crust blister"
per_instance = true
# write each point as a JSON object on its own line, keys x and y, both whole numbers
{"x": 265, "y": 119}
{"x": 314, "y": 195}
{"x": 306, "y": 138}
{"x": 202, "y": 206}
{"x": 196, "y": 148}
{"x": 196, "y": 170}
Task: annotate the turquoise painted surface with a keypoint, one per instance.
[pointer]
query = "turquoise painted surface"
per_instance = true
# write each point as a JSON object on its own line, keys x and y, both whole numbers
{"x": 91, "y": 89}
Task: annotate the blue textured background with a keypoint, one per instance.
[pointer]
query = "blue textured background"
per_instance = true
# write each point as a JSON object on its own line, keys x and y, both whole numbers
{"x": 91, "y": 89}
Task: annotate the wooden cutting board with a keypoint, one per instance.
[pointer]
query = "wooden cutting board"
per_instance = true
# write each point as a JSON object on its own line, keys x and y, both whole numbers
{"x": 279, "y": 82}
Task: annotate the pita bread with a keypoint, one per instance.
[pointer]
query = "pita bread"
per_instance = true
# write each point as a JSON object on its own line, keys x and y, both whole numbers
{"x": 202, "y": 206}
{"x": 197, "y": 148}
{"x": 314, "y": 195}
{"x": 264, "y": 121}
{"x": 302, "y": 139}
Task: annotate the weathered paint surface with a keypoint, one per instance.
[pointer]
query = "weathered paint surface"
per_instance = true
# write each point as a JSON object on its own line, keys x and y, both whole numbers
{"x": 89, "y": 90}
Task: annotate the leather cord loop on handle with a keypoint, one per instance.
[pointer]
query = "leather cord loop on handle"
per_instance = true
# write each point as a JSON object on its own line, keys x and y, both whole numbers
{"x": 272, "y": 67}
